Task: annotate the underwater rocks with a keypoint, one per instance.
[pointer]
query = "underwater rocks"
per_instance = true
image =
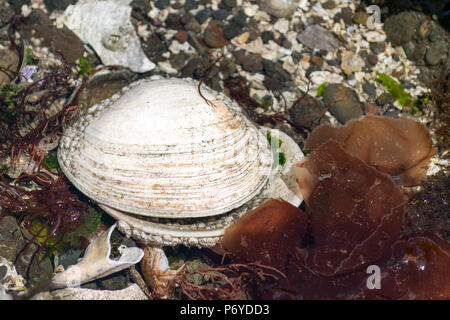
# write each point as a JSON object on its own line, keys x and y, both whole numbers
{"x": 343, "y": 102}
{"x": 423, "y": 40}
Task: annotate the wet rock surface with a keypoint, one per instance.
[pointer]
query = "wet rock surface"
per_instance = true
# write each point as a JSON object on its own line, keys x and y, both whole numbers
{"x": 343, "y": 102}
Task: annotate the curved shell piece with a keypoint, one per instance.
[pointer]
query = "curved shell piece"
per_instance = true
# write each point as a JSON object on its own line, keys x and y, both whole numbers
{"x": 159, "y": 149}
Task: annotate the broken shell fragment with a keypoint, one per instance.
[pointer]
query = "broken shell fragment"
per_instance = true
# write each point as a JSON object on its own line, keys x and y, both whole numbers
{"x": 97, "y": 263}
{"x": 106, "y": 26}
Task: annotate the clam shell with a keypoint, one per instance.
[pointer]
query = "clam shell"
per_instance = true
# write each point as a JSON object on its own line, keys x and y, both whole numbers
{"x": 159, "y": 149}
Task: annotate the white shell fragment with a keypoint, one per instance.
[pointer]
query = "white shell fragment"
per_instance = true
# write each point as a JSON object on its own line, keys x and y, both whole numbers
{"x": 159, "y": 149}
{"x": 133, "y": 292}
{"x": 106, "y": 26}
{"x": 97, "y": 263}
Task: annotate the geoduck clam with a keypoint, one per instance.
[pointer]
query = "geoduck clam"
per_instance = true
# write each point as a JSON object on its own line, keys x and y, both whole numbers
{"x": 175, "y": 165}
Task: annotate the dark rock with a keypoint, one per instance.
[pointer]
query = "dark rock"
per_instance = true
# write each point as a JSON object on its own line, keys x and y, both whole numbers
{"x": 266, "y": 36}
{"x": 173, "y": 22}
{"x": 314, "y": 20}
{"x": 252, "y": 63}
{"x": 162, "y": 4}
{"x": 332, "y": 63}
{"x": 360, "y": 17}
{"x": 11, "y": 239}
{"x": 3, "y": 272}
{"x": 177, "y": 61}
{"x": 214, "y": 35}
{"x": 296, "y": 56}
{"x": 203, "y": 15}
{"x": 9, "y": 65}
{"x": 190, "y": 4}
{"x": 228, "y": 4}
{"x": 52, "y": 5}
{"x": 401, "y": 28}
{"x": 415, "y": 50}
{"x": 377, "y": 47}
{"x": 286, "y": 44}
{"x": 371, "y": 59}
{"x": 69, "y": 257}
{"x": 5, "y": 12}
{"x": 312, "y": 68}
{"x": 154, "y": 48}
{"x": 232, "y": 30}
{"x": 239, "y": 56}
{"x": 343, "y": 102}
{"x": 190, "y": 23}
{"x": 140, "y": 8}
{"x": 227, "y": 67}
{"x": 57, "y": 40}
{"x": 240, "y": 18}
{"x": 275, "y": 70}
{"x": 369, "y": 89}
{"x": 273, "y": 84}
{"x": 193, "y": 66}
{"x": 116, "y": 281}
{"x": 436, "y": 53}
{"x": 384, "y": 98}
{"x": 27, "y": 265}
{"x": 17, "y": 4}
{"x": 392, "y": 113}
{"x": 220, "y": 14}
{"x": 308, "y": 112}
{"x": 347, "y": 15}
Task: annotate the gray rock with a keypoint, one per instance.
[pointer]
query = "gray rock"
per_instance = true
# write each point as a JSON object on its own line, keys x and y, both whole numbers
{"x": 202, "y": 15}
{"x": 162, "y": 4}
{"x": 189, "y": 5}
{"x": 370, "y": 89}
{"x": 377, "y": 47}
{"x": 317, "y": 37}
{"x": 5, "y": 12}
{"x": 11, "y": 239}
{"x": 220, "y": 14}
{"x": 252, "y": 63}
{"x": 436, "y": 53}
{"x": 343, "y": 102}
{"x": 275, "y": 70}
{"x": 308, "y": 113}
{"x": 192, "y": 25}
{"x": 402, "y": 27}
{"x": 240, "y": 18}
{"x": 384, "y": 98}
{"x": 232, "y": 30}
{"x": 9, "y": 63}
{"x": 69, "y": 257}
{"x": 52, "y": 5}
{"x": 415, "y": 50}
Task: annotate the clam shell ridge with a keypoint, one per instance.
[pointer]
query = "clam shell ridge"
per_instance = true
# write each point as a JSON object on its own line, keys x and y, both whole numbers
{"x": 159, "y": 149}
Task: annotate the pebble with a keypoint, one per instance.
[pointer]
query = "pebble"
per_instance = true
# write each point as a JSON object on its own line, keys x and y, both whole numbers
{"x": 190, "y": 4}
{"x": 220, "y": 14}
{"x": 275, "y": 70}
{"x": 415, "y": 50}
{"x": 343, "y": 102}
{"x": 347, "y": 15}
{"x": 173, "y": 22}
{"x": 436, "y": 53}
{"x": 267, "y": 35}
{"x": 190, "y": 23}
{"x": 9, "y": 60}
{"x": 401, "y": 28}
{"x": 214, "y": 35}
{"x": 317, "y": 37}
{"x": 369, "y": 89}
{"x": 384, "y": 98}
{"x": 360, "y": 17}
{"x": 228, "y": 4}
{"x": 232, "y": 30}
{"x": 307, "y": 112}
{"x": 240, "y": 18}
{"x": 203, "y": 15}
{"x": 252, "y": 63}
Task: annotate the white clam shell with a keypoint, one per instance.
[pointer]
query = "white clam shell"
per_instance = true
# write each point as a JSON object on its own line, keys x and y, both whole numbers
{"x": 159, "y": 149}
